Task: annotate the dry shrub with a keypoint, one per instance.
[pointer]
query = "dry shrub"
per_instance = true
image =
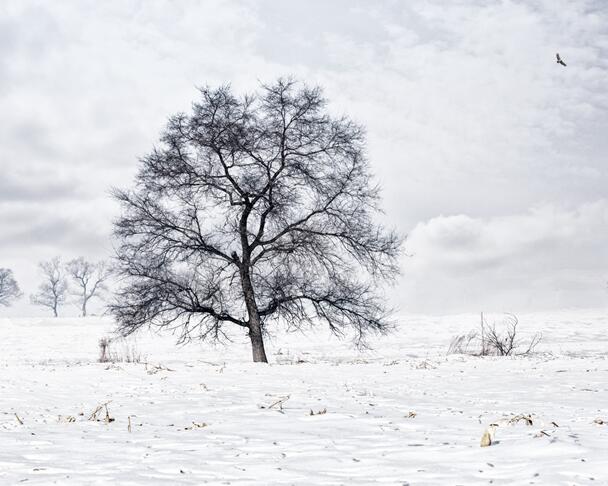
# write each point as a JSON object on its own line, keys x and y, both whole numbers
{"x": 118, "y": 350}
{"x": 462, "y": 344}
{"x": 493, "y": 340}
{"x": 104, "y": 343}
{"x": 507, "y": 343}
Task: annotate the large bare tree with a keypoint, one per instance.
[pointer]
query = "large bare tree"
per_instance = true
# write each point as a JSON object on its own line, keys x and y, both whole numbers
{"x": 9, "y": 288}
{"x": 254, "y": 210}
{"x": 52, "y": 290}
{"x": 90, "y": 279}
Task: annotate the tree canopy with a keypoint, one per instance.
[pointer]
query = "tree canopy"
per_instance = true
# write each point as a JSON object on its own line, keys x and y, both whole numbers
{"x": 253, "y": 210}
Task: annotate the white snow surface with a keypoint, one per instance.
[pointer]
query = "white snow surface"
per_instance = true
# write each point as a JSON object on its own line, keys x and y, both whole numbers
{"x": 202, "y": 414}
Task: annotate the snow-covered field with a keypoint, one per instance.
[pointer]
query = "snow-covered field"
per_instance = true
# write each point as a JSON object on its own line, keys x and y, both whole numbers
{"x": 402, "y": 413}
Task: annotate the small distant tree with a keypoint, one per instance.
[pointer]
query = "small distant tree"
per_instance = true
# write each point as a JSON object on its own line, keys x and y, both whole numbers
{"x": 254, "y": 210}
{"x": 89, "y": 278}
{"x": 9, "y": 288}
{"x": 53, "y": 289}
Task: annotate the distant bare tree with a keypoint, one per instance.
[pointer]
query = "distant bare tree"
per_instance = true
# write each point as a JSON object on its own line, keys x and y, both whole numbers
{"x": 9, "y": 288}
{"x": 252, "y": 210}
{"x": 53, "y": 290}
{"x": 90, "y": 278}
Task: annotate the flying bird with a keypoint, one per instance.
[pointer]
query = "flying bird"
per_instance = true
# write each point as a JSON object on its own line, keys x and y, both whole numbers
{"x": 559, "y": 60}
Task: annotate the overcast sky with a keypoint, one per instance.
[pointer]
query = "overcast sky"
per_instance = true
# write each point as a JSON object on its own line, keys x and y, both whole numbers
{"x": 492, "y": 157}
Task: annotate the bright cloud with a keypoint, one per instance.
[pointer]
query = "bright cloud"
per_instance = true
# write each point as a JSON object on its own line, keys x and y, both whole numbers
{"x": 546, "y": 257}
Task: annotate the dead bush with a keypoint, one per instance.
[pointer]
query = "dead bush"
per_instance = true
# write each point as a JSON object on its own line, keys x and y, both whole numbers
{"x": 118, "y": 351}
{"x": 494, "y": 340}
{"x": 104, "y": 343}
{"x": 462, "y": 344}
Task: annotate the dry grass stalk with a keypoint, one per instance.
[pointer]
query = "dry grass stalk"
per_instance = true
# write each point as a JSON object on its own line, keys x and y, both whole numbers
{"x": 196, "y": 425}
{"x": 542, "y": 433}
{"x": 156, "y": 368}
{"x": 488, "y": 436}
{"x": 93, "y": 416}
{"x": 521, "y": 418}
{"x": 67, "y": 418}
{"x": 320, "y": 412}
{"x": 278, "y": 403}
{"x": 99, "y": 408}
{"x": 107, "y": 419}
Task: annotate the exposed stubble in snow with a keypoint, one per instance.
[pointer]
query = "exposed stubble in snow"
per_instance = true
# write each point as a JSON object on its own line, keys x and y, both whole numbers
{"x": 322, "y": 413}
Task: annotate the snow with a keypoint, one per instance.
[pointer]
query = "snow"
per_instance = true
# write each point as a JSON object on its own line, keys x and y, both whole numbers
{"x": 401, "y": 413}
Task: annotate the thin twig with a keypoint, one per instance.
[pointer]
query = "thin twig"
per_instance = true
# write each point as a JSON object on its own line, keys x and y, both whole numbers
{"x": 279, "y": 402}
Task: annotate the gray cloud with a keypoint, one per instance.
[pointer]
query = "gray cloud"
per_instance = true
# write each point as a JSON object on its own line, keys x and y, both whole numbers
{"x": 63, "y": 226}
{"x": 39, "y": 185}
{"x": 549, "y": 256}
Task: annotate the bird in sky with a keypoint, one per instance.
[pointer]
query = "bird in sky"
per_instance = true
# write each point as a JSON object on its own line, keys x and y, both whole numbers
{"x": 559, "y": 60}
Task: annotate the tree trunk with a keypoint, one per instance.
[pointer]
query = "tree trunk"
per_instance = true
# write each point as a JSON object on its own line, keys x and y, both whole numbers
{"x": 84, "y": 301}
{"x": 257, "y": 342}
{"x": 254, "y": 322}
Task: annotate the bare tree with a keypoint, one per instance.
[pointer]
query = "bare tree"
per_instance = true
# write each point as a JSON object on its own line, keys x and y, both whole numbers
{"x": 90, "y": 278}
{"x": 9, "y": 288}
{"x": 53, "y": 290}
{"x": 254, "y": 210}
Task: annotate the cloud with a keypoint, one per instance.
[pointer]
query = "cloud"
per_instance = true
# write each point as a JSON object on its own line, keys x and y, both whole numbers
{"x": 44, "y": 185}
{"x": 63, "y": 227}
{"x": 466, "y": 111}
{"x": 546, "y": 257}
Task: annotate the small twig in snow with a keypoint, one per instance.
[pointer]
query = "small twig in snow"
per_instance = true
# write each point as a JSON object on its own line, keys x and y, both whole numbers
{"x": 279, "y": 402}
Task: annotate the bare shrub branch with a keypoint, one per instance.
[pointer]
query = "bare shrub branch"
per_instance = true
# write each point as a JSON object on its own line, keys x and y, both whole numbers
{"x": 502, "y": 343}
